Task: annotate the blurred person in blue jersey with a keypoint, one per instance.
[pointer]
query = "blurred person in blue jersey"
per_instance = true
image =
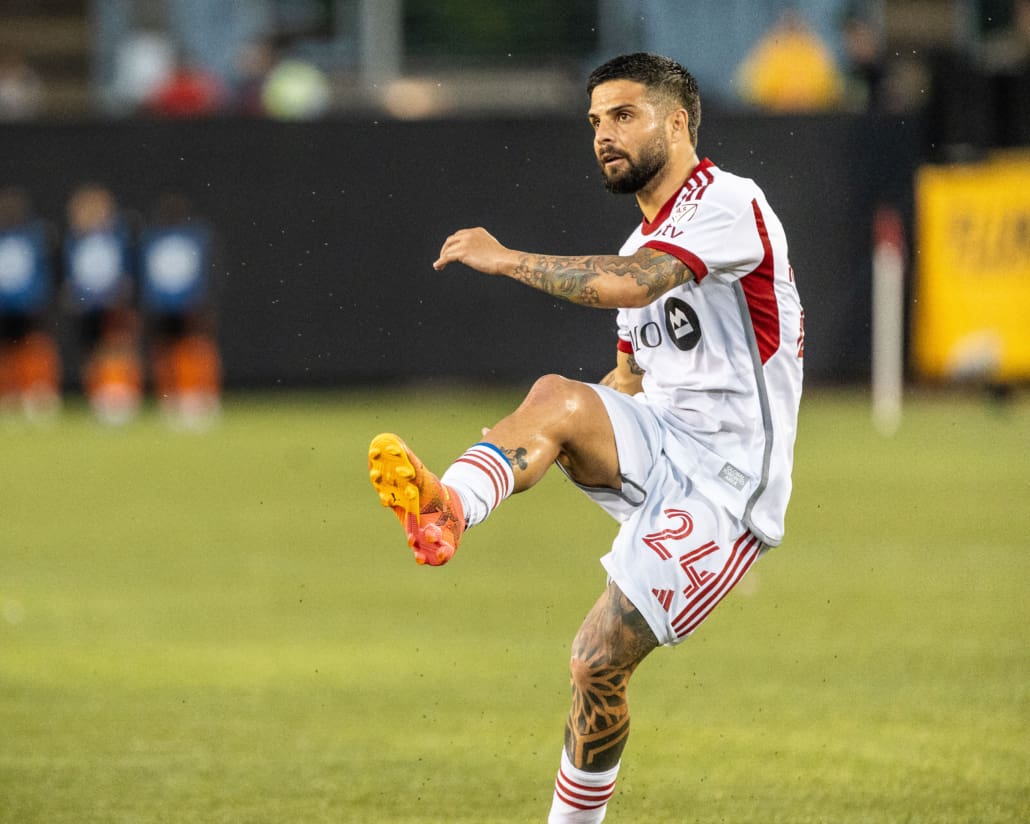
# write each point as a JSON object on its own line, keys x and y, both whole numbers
{"x": 174, "y": 254}
{"x": 30, "y": 367}
{"x": 100, "y": 291}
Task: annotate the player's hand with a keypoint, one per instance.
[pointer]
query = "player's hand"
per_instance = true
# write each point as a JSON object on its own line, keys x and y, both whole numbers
{"x": 476, "y": 248}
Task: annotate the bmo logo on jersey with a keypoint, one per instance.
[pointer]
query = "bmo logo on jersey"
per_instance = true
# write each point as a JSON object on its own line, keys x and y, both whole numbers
{"x": 682, "y": 324}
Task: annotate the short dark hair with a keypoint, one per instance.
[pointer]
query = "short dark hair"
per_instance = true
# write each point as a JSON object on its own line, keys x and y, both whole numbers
{"x": 660, "y": 75}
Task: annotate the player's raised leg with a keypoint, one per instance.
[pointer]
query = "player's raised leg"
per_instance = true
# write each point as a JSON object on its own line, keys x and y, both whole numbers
{"x": 559, "y": 419}
{"x": 612, "y": 641}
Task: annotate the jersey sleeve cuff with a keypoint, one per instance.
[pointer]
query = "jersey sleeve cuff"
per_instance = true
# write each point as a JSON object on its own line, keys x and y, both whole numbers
{"x": 688, "y": 259}
{"x": 625, "y": 346}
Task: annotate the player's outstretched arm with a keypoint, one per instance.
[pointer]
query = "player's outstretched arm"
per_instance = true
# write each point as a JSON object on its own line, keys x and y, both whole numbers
{"x": 605, "y": 281}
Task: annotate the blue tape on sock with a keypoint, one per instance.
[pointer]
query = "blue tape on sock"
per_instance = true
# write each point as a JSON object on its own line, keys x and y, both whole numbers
{"x": 495, "y": 448}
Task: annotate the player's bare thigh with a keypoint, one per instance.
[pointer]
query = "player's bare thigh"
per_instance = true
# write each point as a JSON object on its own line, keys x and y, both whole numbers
{"x": 563, "y": 420}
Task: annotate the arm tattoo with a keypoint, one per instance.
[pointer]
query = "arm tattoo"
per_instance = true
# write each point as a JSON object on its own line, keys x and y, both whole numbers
{"x": 581, "y": 279}
{"x": 634, "y": 367}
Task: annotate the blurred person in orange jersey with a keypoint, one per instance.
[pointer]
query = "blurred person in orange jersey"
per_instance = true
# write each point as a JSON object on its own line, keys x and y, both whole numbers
{"x": 791, "y": 70}
{"x": 174, "y": 259}
{"x": 30, "y": 364}
{"x": 101, "y": 291}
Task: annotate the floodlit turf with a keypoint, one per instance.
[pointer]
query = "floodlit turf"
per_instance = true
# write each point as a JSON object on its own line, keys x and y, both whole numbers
{"x": 227, "y": 627}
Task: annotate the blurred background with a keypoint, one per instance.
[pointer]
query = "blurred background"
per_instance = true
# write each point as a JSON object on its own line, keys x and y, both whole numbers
{"x": 201, "y": 195}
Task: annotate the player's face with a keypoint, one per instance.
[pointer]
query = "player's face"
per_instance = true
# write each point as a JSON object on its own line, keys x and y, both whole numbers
{"x": 630, "y": 140}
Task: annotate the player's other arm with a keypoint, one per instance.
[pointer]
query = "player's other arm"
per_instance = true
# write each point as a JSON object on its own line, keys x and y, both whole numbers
{"x": 627, "y": 376}
{"x": 604, "y": 281}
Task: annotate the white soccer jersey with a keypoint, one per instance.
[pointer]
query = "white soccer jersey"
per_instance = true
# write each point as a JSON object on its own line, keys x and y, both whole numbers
{"x": 722, "y": 355}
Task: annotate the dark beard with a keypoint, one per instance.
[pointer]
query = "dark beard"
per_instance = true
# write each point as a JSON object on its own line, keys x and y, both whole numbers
{"x": 637, "y": 175}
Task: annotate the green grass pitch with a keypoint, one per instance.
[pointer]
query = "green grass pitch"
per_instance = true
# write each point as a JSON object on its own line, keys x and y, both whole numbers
{"x": 227, "y": 627}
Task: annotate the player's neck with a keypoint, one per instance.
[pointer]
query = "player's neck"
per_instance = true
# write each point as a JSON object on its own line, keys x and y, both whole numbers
{"x": 656, "y": 194}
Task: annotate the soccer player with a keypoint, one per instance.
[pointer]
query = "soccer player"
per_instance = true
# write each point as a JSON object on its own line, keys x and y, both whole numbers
{"x": 100, "y": 288}
{"x": 687, "y": 442}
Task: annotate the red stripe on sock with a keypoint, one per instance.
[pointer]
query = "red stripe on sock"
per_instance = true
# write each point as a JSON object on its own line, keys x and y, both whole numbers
{"x": 504, "y": 471}
{"x": 582, "y": 796}
{"x": 473, "y": 460}
{"x": 486, "y": 462}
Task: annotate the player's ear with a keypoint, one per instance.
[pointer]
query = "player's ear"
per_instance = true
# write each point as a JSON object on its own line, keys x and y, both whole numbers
{"x": 679, "y": 122}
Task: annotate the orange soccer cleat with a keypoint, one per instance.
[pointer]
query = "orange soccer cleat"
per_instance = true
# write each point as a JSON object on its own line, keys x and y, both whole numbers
{"x": 430, "y": 512}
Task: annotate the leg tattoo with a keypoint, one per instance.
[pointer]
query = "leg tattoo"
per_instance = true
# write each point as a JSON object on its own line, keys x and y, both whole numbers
{"x": 516, "y": 457}
{"x": 613, "y": 640}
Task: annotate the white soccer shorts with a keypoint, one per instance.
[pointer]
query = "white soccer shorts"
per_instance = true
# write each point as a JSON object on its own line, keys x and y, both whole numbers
{"x": 677, "y": 554}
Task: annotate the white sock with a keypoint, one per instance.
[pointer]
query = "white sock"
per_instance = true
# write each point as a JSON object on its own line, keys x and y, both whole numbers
{"x": 483, "y": 478}
{"x": 581, "y": 797}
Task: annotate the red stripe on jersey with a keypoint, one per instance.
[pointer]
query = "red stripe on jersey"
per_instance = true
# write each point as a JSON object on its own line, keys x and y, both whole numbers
{"x": 700, "y": 181}
{"x": 740, "y": 562}
{"x": 664, "y": 597}
{"x": 761, "y": 295}
{"x": 625, "y": 346}
{"x": 700, "y": 178}
{"x": 693, "y": 557}
{"x": 745, "y": 551}
{"x": 695, "y": 184}
{"x": 688, "y": 259}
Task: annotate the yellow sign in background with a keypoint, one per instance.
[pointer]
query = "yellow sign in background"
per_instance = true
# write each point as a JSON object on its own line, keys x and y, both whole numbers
{"x": 972, "y": 311}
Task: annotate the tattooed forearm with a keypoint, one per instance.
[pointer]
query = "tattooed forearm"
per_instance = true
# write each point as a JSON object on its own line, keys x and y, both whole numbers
{"x": 634, "y": 367}
{"x": 601, "y": 280}
{"x": 559, "y": 276}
